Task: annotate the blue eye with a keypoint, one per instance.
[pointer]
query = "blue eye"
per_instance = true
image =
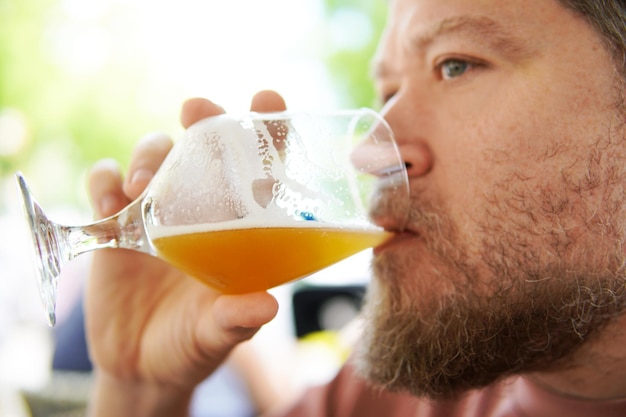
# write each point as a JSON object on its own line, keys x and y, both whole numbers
{"x": 453, "y": 68}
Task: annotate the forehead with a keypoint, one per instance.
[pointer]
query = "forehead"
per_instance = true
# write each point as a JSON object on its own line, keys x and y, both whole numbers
{"x": 525, "y": 25}
{"x": 508, "y": 11}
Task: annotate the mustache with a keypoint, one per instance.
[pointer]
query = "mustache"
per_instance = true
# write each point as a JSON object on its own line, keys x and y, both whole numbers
{"x": 417, "y": 214}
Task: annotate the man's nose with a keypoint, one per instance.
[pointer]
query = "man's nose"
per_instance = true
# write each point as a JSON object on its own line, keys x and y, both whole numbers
{"x": 409, "y": 123}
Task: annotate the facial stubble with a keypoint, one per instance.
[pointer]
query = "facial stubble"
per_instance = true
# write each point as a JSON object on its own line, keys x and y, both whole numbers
{"x": 537, "y": 294}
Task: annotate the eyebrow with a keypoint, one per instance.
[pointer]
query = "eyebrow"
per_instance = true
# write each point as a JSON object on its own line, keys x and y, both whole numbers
{"x": 479, "y": 28}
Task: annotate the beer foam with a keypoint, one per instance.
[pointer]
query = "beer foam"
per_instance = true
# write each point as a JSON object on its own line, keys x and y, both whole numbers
{"x": 156, "y": 232}
{"x": 225, "y": 169}
{"x": 230, "y": 175}
{"x": 258, "y": 170}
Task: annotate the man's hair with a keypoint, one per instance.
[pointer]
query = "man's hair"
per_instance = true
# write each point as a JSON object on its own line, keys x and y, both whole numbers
{"x": 608, "y": 17}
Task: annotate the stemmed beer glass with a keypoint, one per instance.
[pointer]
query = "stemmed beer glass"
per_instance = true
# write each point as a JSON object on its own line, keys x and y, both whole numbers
{"x": 246, "y": 203}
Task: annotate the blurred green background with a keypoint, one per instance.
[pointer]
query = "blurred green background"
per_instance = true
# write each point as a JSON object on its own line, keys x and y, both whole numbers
{"x": 82, "y": 80}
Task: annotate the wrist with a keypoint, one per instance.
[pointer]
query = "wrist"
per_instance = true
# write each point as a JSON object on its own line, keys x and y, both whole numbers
{"x": 112, "y": 396}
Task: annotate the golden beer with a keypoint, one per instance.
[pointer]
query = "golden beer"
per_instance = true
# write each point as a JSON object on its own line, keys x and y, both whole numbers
{"x": 242, "y": 260}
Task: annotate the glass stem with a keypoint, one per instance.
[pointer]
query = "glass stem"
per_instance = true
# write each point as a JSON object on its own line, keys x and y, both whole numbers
{"x": 122, "y": 230}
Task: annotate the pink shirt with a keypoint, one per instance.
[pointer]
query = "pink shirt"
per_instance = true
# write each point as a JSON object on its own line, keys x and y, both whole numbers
{"x": 349, "y": 396}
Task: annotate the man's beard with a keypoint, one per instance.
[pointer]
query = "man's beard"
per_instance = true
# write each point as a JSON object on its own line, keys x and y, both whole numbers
{"x": 534, "y": 297}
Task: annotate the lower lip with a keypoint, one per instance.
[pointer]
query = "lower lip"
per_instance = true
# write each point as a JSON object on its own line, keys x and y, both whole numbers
{"x": 396, "y": 239}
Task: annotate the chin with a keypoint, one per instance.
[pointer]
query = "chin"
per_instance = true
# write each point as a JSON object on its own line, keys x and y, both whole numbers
{"x": 406, "y": 266}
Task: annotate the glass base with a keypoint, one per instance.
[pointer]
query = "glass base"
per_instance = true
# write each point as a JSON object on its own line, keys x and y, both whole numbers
{"x": 46, "y": 250}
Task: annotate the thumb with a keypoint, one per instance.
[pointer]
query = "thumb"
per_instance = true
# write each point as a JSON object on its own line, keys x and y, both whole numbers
{"x": 237, "y": 318}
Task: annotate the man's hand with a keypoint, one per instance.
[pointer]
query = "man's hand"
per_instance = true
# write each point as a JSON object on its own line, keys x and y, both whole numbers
{"x": 153, "y": 332}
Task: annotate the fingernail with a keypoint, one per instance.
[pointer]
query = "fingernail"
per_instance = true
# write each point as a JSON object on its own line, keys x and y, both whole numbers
{"x": 141, "y": 175}
{"x": 107, "y": 164}
{"x": 108, "y": 205}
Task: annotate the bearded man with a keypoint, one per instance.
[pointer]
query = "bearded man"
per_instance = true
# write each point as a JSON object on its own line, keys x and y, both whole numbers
{"x": 503, "y": 295}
